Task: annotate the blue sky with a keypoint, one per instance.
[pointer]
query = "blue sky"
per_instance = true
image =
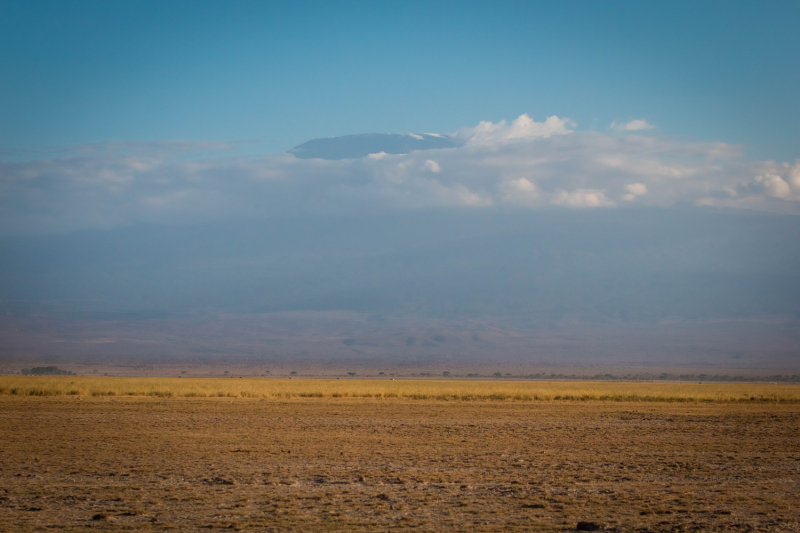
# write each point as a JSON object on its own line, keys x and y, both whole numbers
{"x": 283, "y": 73}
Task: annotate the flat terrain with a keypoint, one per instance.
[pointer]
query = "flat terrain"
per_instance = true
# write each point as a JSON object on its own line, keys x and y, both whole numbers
{"x": 369, "y": 464}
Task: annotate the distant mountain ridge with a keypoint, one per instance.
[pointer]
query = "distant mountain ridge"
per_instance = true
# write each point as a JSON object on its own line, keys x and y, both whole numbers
{"x": 354, "y": 146}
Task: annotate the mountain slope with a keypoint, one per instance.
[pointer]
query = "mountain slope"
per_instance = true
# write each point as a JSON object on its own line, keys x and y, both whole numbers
{"x": 354, "y": 146}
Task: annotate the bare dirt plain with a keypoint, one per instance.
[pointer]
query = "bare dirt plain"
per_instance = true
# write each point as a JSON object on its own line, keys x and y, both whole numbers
{"x": 117, "y": 463}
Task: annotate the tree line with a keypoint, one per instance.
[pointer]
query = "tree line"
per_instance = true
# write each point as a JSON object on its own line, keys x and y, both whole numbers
{"x": 46, "y": 371}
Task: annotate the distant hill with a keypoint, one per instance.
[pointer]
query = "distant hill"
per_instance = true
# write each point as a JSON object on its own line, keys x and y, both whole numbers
{"x": 354, "y": 146}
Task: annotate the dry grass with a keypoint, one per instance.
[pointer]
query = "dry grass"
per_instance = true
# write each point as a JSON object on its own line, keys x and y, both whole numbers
{"x": 525, "y": 391}
{"x": 369, "y": 465}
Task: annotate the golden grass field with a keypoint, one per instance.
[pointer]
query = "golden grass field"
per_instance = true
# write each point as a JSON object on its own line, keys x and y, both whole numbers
{"x": 445, "y": 390}
{"x": 356, "y": 455}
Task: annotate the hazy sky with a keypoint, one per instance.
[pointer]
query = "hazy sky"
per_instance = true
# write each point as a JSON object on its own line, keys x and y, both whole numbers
{"x": 630, "y": 160}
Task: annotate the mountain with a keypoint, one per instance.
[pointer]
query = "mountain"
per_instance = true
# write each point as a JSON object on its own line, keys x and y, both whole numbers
{"x": 672, "y": 287}
{"x": 354, "y": 146}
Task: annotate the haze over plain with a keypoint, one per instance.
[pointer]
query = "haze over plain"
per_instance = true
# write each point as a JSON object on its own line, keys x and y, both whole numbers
{"x": 420, "y": 185}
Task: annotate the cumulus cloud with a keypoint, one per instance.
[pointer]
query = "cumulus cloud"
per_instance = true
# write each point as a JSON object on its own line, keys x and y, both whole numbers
{"x": 432, "y": 166}
{"x": 523, "y": 185}
{"x": 774, "y": 186}
{"x": 520, "y": 191}
{"x": 634, "y": 190}
{"x": 794, "y": 178}
{"x": 528, "y": 164}
{"x": 581, "y": 198}
{"x": 633, "y": 125}
{"x": 774, "y": 181}
{"x": 521, "y": 128}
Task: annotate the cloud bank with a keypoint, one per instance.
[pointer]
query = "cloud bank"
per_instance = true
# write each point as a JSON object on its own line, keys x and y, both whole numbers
{"x": 519, "y": 165}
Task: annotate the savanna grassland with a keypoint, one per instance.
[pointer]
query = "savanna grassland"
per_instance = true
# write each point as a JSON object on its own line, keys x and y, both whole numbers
{"x": 614, "y": 457}
{"x": 446, "y": 390}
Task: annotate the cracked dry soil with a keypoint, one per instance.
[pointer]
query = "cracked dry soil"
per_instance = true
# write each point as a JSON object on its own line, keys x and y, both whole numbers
{"x": 143, "y": 464}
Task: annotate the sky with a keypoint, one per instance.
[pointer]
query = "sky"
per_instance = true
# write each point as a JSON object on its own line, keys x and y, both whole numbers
{"x": 283, "y": 73}
{"x": 637, "y": 162}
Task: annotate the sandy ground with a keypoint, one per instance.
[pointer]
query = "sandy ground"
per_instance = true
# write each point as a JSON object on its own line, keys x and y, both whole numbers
{"x": 376, "y": 465}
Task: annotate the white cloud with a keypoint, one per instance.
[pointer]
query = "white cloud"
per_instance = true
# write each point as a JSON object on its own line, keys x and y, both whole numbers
{"x": 521, "y": 128}
{"x": 647, "y": 166}
{"x": 466, "y": 197}
{"x": 775, "y": 186}
{"x": 634, "y": 190}
{"x": 520, "y": 191}
{"x": 432, "y": 166}
{"x": 633, "y": 125}
{"x": 524, "y": 164}
{"x": 794, "y": 178}
{"x": 581, "y": 198}
{"x": 523, "y": 185}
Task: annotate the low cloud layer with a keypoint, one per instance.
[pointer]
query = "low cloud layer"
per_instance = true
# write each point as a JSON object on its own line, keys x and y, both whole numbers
{"x": 519, "y": 165}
